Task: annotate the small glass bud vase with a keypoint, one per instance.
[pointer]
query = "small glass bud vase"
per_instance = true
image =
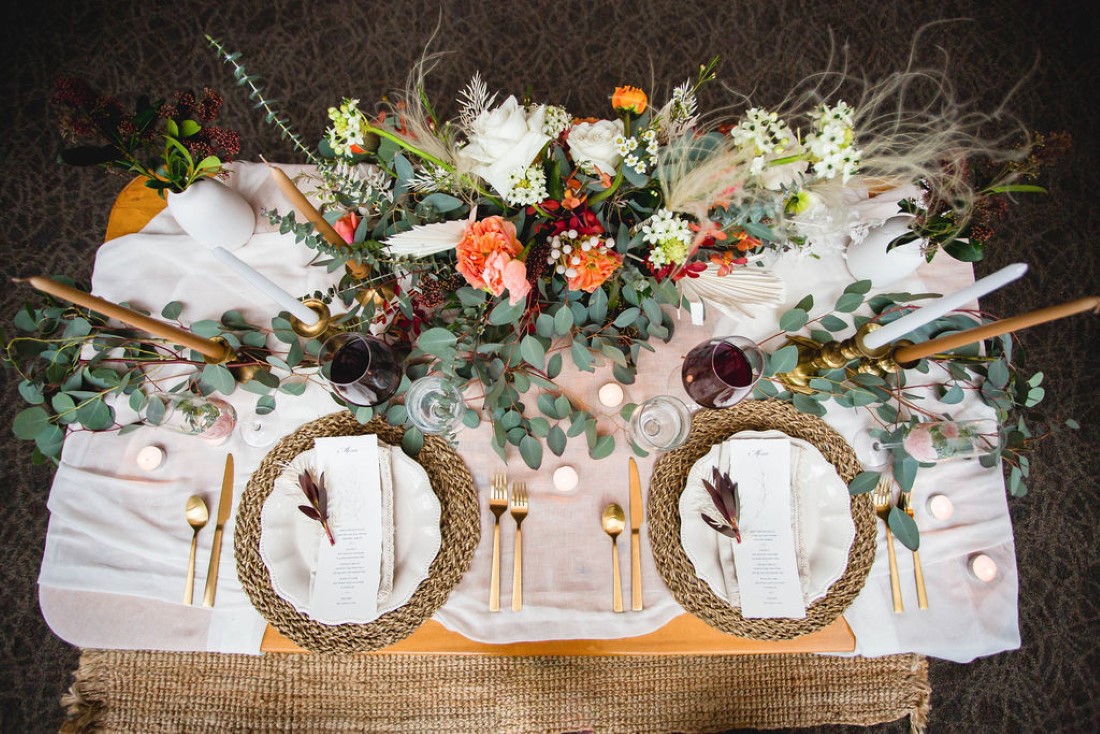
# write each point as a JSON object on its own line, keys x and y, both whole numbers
{"x": 211, "y": 419}
{"x": 435, "y": 405}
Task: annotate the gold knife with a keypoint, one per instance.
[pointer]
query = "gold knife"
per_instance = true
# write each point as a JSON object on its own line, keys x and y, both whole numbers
{"x": 636, "y": 513}
{"x": 905, "y": 502}
{"x": 225, "y": 504}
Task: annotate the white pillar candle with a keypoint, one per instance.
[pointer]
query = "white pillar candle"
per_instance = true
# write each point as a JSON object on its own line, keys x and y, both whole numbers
{"x": 983, "y": 567}
{"x": 932, "y": 311}
{"x": 261, "y": 283}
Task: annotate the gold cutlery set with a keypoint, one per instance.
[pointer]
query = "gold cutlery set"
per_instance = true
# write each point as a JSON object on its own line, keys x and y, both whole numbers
{"x": 499, "y": 501}
{"x": 197, "y": 517}
{"x": 613, "y": 521}
{"x": 882, "y": 501}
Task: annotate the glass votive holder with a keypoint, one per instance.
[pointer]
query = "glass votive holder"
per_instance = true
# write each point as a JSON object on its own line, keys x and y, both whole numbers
{"x": 661, "y": 423}
{"x": 211, "y": 419}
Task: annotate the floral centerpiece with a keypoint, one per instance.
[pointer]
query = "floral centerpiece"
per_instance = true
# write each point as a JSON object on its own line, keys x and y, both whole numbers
{"x": 492, "y": 247}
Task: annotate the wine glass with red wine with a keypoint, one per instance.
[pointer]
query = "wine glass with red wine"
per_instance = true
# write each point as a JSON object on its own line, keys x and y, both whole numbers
{"x": 361, "y": 369}
{"x": 722, "y": 371}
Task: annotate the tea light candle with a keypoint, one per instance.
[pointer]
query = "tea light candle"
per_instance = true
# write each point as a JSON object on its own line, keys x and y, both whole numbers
{"x": 150, "y": 458}
{"x": 983, "y": 567}
{"x": 940, "y": 506}
{"x": 565, "y": 479}
{"x": 611, "y": 395}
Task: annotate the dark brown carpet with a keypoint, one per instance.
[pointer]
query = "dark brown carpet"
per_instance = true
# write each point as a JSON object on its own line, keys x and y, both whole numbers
{"x": 312, "y": 54}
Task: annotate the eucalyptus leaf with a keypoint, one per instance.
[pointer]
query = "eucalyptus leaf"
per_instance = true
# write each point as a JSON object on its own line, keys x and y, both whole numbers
{"x": 530, "y": 449}
{"x": 904, "y": 528}
{"x": 413, "y": 441}
{"x": 864, "y": 482}
{"x": 556, "y": 440}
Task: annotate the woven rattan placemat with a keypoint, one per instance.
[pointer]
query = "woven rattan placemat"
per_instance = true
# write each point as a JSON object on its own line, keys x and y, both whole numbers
{"x": 669, "y": 477}
{"x": 460, "y": 527}
{"x": 136, "y": 691}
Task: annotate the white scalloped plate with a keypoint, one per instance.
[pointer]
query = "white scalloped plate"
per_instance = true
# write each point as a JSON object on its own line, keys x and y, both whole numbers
{"x": 821, "y": 511}
{"x": 289, "y": 540}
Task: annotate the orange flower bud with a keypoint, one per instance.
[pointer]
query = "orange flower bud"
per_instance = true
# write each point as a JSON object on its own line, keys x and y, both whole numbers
{"x": 629, "y": 99}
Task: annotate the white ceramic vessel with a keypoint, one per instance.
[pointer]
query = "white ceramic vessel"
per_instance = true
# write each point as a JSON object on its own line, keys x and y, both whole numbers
{"x": 868, "y": 259}
{"x": 213, "y": 214}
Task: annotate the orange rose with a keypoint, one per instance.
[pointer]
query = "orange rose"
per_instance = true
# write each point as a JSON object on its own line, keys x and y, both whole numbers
{"x": 489, "y": 236}
{"x": 346, "y": 225}
{"x": 629, "y": 99}
{"x": 595, "y": 267}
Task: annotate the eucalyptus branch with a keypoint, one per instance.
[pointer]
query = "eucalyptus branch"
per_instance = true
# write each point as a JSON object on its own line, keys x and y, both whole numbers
{"x": 256, "y": 93}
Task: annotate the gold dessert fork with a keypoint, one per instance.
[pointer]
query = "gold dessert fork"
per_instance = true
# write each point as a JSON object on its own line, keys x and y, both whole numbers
{"x": 905, "y": 502}
{"x": 519, "y": 511}
{"x": 881, "y": 498}
{"x": 498, "y": 503}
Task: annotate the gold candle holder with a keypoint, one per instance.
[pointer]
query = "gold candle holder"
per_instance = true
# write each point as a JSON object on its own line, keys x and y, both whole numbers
{"x": 815, "y": 357}
{"x": 227, "y": 355}
{"x": 323, "y": 327}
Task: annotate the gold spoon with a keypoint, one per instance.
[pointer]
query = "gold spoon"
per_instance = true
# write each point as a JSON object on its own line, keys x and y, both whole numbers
{"x": 197, "y": 515}
{"x": 613, "y": 521}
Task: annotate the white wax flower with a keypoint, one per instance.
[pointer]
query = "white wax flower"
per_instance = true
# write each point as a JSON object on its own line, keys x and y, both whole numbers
{"x": 592, "y": 144}
{"x": 503, "y": 140}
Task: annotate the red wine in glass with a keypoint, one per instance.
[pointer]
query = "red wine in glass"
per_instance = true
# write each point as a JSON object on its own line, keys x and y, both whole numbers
{"x": 721, "y": 372}
{"x": 361, "y": 369}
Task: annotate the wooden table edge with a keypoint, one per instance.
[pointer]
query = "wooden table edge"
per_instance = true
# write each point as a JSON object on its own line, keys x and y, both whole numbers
{"x": 686, "y": 634}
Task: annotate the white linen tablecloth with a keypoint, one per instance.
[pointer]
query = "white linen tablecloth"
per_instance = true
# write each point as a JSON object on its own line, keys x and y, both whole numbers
{"x": 117, "y": 544}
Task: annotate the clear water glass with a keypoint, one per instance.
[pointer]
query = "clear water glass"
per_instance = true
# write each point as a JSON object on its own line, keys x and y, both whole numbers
{"x": 435, "y": 405}
{"x": 661, "y": 423}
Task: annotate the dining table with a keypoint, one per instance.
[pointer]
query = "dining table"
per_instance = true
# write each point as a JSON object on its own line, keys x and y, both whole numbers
{"x": 116, "y": 548}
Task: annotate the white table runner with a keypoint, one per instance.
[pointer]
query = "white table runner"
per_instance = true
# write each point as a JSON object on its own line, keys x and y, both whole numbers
{"x": 117, "y": 544}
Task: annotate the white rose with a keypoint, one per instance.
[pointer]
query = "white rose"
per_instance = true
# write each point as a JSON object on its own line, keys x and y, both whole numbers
{"x": 593, "y": 143}
{"x": 504, "y": 140}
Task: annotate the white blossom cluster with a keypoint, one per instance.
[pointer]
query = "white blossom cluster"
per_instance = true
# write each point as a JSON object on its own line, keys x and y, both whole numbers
{"x": 528, "y": 186}
{"x": 556, "y": 120}
{"x": 432, "y": 178}
{"x": 764, "y": 134}
{"x": 564, "y": 247}
{"x": 346, "y": 130}
{"x": 830, "y": 143}
{"x": 628, "y": 148}
{"x": 670, "y": 236}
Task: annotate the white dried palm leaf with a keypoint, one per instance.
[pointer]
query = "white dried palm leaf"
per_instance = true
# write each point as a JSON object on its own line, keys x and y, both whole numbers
{"x": 426, "y": 239}
{"x": 732, "y": 294}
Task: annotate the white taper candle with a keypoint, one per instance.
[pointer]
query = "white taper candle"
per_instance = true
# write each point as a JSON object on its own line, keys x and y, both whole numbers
{"x": 261, "y": 283}
{"x": 931, "y": 311}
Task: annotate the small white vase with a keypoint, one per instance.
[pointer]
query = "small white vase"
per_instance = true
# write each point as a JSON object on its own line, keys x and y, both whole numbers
{"x": 213, "y": 214}
{"x": 868, "y": 259}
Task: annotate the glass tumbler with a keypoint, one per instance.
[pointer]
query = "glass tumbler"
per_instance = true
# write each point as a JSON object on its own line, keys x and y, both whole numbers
{"x": 660, "y": 424}
{"x": 435, "y": 405}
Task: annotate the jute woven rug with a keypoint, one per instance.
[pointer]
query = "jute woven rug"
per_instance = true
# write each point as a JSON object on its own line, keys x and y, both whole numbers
{"x": 126, "y": 691}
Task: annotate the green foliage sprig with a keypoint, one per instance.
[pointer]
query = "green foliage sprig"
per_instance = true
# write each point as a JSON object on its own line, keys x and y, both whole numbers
{"x": 998, "y": 376}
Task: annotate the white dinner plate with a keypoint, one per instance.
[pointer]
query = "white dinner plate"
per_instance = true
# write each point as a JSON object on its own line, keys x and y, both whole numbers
{"x": 820, "y": 510}
{"x": 289, "y": 540}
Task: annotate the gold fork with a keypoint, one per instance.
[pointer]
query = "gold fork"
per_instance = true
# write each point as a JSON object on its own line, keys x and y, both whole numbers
{"x": 905, "y": 502}
{"x": 498, "y": 503}
{"x": 519, "y": 511}
{"x": 881, "y": 498}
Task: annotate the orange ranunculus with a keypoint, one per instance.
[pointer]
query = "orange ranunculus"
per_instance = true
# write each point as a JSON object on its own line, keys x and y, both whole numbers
{"x": 595, "y": 267}
{"x": 483, "y": 238}
{"x": 629, "y": 99}
{"x": 346, "y": 225}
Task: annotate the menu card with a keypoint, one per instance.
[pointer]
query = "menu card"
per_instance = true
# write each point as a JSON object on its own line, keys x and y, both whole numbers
{"x": 765, "y": 560}
{"x": 345, "y": 583}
